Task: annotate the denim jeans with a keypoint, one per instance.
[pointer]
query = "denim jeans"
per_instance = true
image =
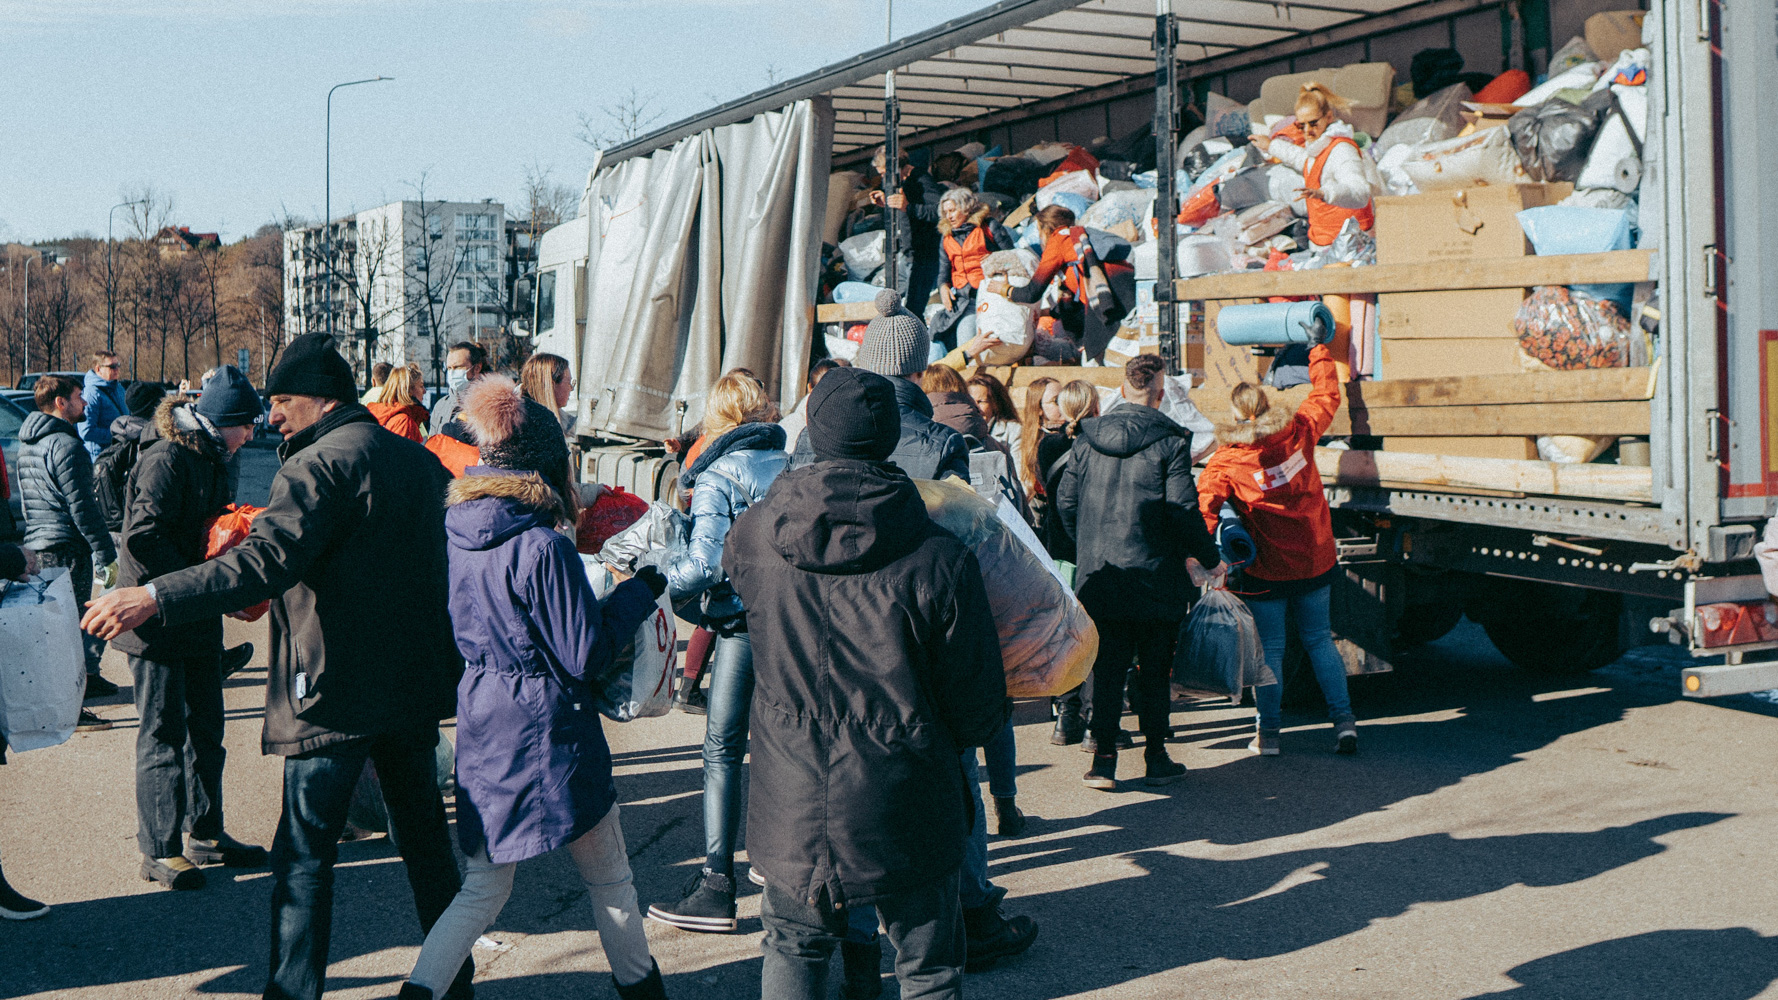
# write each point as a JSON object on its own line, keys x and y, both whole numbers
{"x": 78, "y": 560}
{"x": 179, "y": 752}
{"x": 1315, "y": 629}
{"x": 725, "y": 747}
{"x": 1150, "y": 645}
{"x": 925, "y": 925}
{"x": 604, "y": 867}
{"x": 975, "y": 887}
{"x": 317, "y": 788}
{"x": 1003, "y": 763}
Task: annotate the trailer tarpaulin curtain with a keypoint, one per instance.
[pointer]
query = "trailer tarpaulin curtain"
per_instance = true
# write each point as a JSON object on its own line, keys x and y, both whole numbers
{"x": 704, "y": 256}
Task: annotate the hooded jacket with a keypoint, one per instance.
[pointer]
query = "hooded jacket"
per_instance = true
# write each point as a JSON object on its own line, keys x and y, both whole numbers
{"x": 876, "y": 664}
{"x": 927, "y": 449}
{"x": 533, "y": 768}
{"x": 731, "y": 474}
{"x": 958, "y": 412}
{"x": 408, "y": 419}
{"x": 1266, "y": 469}
{"x": 104, "y": 403}
{"x": 128, "y": 429}
{"x": 180, "y": 482}
{"x": 1127, "y": 499}
{"x": 350, "y": 550}
{"x": 56, "y": 486}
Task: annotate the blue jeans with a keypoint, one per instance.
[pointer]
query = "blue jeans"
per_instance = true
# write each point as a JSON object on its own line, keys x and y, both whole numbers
{"x": 725, "y": 747}
{"x": 1315, "y": 629}
{"x": 1003, "y": 764}
{"x": 317, "y": 789}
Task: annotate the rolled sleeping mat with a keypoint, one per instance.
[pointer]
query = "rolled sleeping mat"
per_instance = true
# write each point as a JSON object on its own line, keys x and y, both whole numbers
{"x": 1232, "y": 539}
{"x": 1275, "y": 324}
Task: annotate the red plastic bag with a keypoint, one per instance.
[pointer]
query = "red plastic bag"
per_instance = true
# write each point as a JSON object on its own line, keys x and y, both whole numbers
{"x": 1201, "y": 207}
{"x": 227, "y": 530}
{"x": 614, "y": 510}
{"x": 1077, "y": 159}
{"x": 1505, "y": 88}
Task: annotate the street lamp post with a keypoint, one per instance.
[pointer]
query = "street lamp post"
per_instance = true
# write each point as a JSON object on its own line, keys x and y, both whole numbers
{"x": 327, "y": 196}
{"x": 111, "y": 275}
{"x": 27, "y": 314}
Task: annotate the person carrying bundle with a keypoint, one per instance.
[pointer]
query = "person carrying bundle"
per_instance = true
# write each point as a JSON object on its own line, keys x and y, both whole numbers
{"x": 970, "y": 234}
{"x": 1338, "y": 179}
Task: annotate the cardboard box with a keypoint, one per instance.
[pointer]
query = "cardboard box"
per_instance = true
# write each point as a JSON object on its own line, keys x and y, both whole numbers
{"x": 1441, "y": 356}
{"x": 1459, "y": 224}
{"x": 1484, "y": 312}
{"x": 1466, "y": 447}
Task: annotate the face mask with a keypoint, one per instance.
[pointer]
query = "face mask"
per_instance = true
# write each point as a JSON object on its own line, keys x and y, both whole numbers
{"x": 456, "y": 378}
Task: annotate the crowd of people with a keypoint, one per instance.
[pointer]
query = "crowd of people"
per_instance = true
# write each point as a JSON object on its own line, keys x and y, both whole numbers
{"x": 851, "y": 659}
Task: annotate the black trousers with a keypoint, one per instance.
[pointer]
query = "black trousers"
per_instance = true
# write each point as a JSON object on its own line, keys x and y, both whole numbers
{"x": 924, "y": 924}
{"x": 1150, "y": 645}
{"x": 179, "y": 752}
{"x": 78, "y": 560}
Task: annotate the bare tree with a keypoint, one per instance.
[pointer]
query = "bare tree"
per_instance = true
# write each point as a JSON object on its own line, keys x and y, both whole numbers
{"x": 544, "y": 202}
{"x": 620, "y": 121}
{"x": 431, "y": 266}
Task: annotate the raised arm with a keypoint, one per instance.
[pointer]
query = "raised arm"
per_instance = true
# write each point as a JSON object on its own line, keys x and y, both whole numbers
{"x": 1324, "y": 392}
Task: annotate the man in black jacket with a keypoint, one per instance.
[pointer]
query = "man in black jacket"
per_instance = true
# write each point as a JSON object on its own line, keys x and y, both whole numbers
{"x": 180, "y": 482}
{"x": 877, "y": 664}
{"x": 351, "y": 551}
{"x": 1128, "y": 500}
{"x": 913, "y": 208}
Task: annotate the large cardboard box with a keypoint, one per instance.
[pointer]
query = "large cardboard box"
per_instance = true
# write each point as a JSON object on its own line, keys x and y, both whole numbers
{"x": 1459, "y": 224}
{"x": 1439, "y": 356}
{"x": 1472, "y": 314}
{"x": 1466, "y": 447}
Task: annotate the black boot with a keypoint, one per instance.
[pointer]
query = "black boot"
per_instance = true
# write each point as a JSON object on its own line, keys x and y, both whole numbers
{"x": 15, "y": 906}
{"x": 993, "y": 936}
{"x": 1010, "y": 821}
{"x": 864, "y": 970}
{"x": 1070, "y": 728}
{"x": 1103, "y": 774}
{"x": 648, "y": 989}
{"x": 411, "y": 992}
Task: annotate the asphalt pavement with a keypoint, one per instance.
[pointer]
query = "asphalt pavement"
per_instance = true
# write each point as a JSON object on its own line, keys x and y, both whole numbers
{"x": 1499, "y": 834}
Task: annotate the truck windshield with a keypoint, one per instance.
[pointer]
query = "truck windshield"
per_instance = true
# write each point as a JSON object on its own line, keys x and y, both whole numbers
{"x": 546, "y": 301}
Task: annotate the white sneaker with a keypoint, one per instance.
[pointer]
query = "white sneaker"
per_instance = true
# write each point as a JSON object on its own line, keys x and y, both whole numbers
{"x": 754, "y": 876}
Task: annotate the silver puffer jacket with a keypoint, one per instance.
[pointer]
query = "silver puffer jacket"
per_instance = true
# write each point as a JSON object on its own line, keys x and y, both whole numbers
{"x": 731, "y": 475}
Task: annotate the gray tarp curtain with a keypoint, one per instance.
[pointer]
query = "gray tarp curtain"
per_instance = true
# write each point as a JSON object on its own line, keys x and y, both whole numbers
{"x": 702, "y": 257}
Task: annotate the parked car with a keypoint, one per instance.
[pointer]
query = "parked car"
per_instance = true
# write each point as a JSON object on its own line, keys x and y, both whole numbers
{"x": 12, "y": 417}
{"x": 29, "y": 380}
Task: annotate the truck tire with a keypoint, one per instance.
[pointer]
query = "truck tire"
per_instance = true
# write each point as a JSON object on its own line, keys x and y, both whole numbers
{"x": 1549, "y": 628}
{"x": 1435, "y": 600}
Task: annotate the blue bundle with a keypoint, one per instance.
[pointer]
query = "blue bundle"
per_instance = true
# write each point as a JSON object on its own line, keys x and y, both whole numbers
{"x": 1275, "y": 324}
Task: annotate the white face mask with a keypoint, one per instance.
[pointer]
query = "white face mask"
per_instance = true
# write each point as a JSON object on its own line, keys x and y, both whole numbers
{"x": 456, "y": 378}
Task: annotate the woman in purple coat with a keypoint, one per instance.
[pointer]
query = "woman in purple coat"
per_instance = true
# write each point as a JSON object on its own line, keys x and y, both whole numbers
{"x": 533, "y": 769}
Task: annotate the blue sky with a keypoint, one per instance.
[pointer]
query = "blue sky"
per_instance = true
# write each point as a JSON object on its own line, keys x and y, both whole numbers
{"x": 220, "y": 103}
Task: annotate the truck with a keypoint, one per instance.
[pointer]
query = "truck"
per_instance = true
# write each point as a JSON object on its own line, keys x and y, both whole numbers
{"x": 697, "y": 248}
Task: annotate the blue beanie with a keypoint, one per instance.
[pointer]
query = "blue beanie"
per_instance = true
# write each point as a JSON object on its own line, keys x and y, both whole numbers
{"x": 229, "y": 400}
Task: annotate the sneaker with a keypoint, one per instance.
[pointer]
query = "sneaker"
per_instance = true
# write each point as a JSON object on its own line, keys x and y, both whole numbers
{"x": 1162, "y": 769}
{"x": 1103, "y": 774}
{"x": 1346, "y": 735}
{"x": 91, "y": 722}
{"x": 992, "y": 936}
{"x": 14, "y": 906}
{"x": 226, "y": 850}
{"x": 692, "y": 701}
{"x": 176, "y": 872}
{"x": 235, "y": 658}
{"x": 756, "y": 876}
{"x": 1265, "y": 743}
{"x": 98, "y": 687}
{"x": 1090, "y": 745}
{"x": 708, "y": 906}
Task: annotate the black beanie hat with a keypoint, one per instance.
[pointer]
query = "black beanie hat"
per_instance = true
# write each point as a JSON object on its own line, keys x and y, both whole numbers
{"x": 141, "y": 398}
{"x": 312, "y": 367}
{"x": 229, "y": 399}
{"x": 852, "y": 414}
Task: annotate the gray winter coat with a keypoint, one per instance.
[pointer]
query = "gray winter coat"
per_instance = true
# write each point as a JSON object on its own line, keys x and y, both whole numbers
{"x": 927, "y": 449}
{"x": 731, "y": 475}
{"x": 55, "y": 478}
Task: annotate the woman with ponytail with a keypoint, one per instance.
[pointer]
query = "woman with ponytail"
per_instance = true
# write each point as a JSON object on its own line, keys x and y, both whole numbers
{"x": 1038, "y": 416}
{"x": 1265, "y": 469}
{"x": 1339, "y": 180}
{"x": 1076, "y": 401}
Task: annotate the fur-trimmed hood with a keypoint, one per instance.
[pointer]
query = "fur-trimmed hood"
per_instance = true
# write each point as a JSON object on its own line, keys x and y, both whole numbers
{"x": 183, "y": 428}
{"x": 976, "y": 218}
{"x": 485, "y": 507}
{"x": 1253, "y": 432}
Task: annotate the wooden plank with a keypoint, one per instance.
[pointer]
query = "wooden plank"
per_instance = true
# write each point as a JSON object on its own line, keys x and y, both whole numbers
{"x": 1592, "y": 385}
{"x": 849, "y": 312}
{"x": 1375, "y": 468}
{"x": 1520, "y": 419}
{"x": 1497, "y": 272}
{"x": 1024, "y": 375}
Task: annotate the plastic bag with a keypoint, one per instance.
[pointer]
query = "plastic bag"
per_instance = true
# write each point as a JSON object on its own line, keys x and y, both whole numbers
{"x": 366, "y": 811}
{"x": 1574, "y": 53}
{"x": 1076, "y": 182}
{"x": 1566, "y": 229}
{"x": 227, "y": 530}
{"x": 1134, "y": 207}
{"x": 1389, "y": 166}
{"x": 1553, "y": 138}
{"x": 1434, "y": 118}
{"x": 660, "y": 529}
{"x": 1203, "y": 253}
{"x": 1286, "y": 185}
{"x": 863, "y": 254}
{"x": 639, "y": 682}
{"x": 1219, "y": 648}
{"x": 1225, "y": 117}
{"x": 1268, "y": 218}
{"x": 1200, "y": 208}
{"x": 1569, "y": 333}
{"x": 1616, "y": 158}
{"x": 613, "y": 510}
{"x": 853, "y": 292}
{"x": 42, "y": 661}
{"x": 1228, "y": 165}
{"x": 1245, "y": 189}
{"x": 1581, "y": 76}
{"x": 1013, "y": 322}
{"x": 1485, "y": 157}
{"x": 1047, "y": 641}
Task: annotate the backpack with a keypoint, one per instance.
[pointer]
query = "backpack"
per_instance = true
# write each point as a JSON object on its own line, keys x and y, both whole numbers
{"x": 111, "y": 478}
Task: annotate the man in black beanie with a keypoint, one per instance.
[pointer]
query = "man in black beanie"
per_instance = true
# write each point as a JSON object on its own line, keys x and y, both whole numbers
{"x": 351, "y": 540}
{"x": 876, "y": 665}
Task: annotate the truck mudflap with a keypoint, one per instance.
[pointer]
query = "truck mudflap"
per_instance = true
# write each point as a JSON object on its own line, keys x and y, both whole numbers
{"x": 1727, "y": 616}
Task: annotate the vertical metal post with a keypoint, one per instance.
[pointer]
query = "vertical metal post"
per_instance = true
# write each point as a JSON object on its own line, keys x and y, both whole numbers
{"x": 891, "y": 155}
{"x": 1166, "y": 97}
{"x": 27, "y": 313}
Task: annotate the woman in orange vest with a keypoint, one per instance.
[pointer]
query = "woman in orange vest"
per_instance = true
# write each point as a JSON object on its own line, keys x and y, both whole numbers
{"x": 1336, "y": 175}
{"x": 969, "y": 237}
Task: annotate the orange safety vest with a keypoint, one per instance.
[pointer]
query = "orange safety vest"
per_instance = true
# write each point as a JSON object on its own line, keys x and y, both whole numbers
{"x": 967, "y": 257}
{"x": 1325, "y": 220}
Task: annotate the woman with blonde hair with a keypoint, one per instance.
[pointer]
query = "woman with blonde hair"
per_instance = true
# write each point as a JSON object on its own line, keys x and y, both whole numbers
{"x": 744, "y": 454}
{"x": 1265, "y": 469}
{"x": 398, "y": 404}
{"x": 549, "y": 383}
{"x": 1339, "y": 179}
{"x": 1076, "y": 402}
{"x": 969, "y": 234}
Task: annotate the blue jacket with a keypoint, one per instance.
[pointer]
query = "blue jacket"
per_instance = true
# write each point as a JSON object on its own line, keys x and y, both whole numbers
{"x": 731, "y": 475}
{"x": 533, "y": 768}
{"x": 104, "y": 403}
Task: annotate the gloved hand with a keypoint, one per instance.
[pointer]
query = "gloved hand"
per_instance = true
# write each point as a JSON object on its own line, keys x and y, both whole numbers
{"x": 106, "y": 577}
{"x": 653, "y": 579}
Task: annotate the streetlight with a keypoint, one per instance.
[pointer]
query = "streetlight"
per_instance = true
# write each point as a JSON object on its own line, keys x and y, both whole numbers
{"x": 111, "y": 276}
{"x": 327, "y": 196}
{"x": 27, "y": 314}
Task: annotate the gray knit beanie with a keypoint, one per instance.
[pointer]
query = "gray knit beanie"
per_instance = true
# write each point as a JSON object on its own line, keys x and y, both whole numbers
{"x": 896, "y": 342}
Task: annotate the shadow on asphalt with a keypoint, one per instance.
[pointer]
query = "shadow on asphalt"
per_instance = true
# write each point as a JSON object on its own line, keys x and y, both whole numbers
{"x": 1734, "y": 963}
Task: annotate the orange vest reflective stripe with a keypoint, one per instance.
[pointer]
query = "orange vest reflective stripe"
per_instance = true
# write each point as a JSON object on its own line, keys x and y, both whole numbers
{"x": 967, "y": 257}
{"x": 1325, "y": 220}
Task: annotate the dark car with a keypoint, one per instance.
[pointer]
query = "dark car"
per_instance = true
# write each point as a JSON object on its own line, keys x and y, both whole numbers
{"x": 12, "y": 417}
{"x": 28, "y": 380}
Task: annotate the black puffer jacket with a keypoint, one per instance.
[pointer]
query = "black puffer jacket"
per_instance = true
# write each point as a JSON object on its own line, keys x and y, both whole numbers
{"x": 55, "y": 477}
{"x": 351, "y": 550}
{"x": 1127, "y": 499}
{"x": 179, "y": 483}
{"x": 876, "y": 664}
{"x": 927, "y": 449}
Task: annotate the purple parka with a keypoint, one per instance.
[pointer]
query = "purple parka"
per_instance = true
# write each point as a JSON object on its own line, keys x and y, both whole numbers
{"x": 533, "y": 768}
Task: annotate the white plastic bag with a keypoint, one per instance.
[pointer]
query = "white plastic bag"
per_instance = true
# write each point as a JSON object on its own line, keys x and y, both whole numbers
{"x": 1078, "y": 182}
{"x": 1485, "y": 157}
{"x": 1013, "y": 322}
{"x": 639, "y": 683}
{"x": 42, "y": 663}
{"x": 1266, "y": 219}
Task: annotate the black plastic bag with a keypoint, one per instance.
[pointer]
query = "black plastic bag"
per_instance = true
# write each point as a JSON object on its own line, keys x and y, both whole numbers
{"x": 1435, "y": 69}
{"x": 1554, "y": 138}
{"x": 1014, "y": 175}
{"x": 1219, "y": 649}
{"x": 1244, "y": 190}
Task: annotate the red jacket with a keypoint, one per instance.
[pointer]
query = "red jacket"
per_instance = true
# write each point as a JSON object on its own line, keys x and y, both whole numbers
{"x": 1266, "y": 470}
{"x": 404, "y": 420}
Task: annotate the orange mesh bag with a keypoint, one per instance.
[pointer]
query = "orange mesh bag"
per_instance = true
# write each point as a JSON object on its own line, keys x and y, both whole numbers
{"x": 227, "y": 530}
